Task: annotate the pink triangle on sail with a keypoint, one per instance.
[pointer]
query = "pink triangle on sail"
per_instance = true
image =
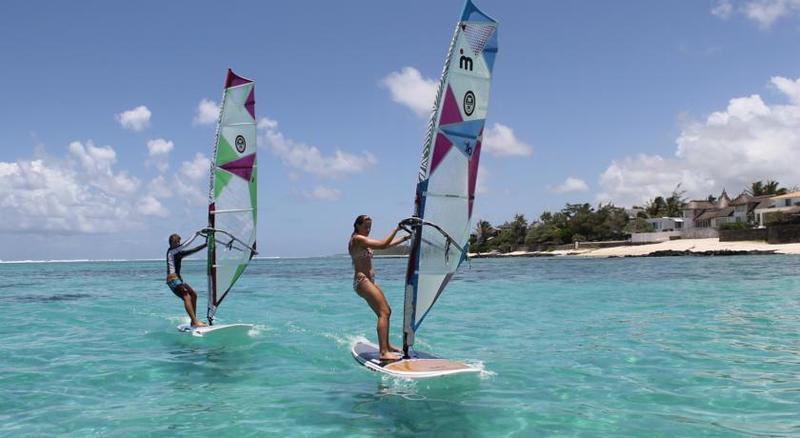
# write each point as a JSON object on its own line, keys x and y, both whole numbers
{"x": 440, "y": 149}
{"x": 233, "y": 80}
{"x": 250, "y": 103}
{"x": 473, "y": 175}
{"x": 243, "y": 167}
{"x": 450, "y": 111}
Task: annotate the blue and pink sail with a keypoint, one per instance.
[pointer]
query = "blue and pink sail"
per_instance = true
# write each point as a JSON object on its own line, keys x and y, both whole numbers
{"x": 448, "y": 171}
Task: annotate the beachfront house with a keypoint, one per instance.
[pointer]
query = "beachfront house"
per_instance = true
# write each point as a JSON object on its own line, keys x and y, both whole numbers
{"x": 666, "y": 223}
{"x": 788, "y": 204}
{"x": 692, "y": 210}
{"x": 744, "y": 207}
{"x": 707, "y": 214}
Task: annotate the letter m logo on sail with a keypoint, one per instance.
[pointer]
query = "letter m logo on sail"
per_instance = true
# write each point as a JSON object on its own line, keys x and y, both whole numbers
{"x": 465, "y": 62}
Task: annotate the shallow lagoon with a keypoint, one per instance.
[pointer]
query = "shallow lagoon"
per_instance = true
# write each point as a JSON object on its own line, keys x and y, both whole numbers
{"x": 682, "y": 346}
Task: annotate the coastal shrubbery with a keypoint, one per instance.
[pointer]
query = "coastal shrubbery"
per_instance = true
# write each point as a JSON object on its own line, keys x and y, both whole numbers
{"x": 574, "y": 223}
{"x": 582, "y": 222}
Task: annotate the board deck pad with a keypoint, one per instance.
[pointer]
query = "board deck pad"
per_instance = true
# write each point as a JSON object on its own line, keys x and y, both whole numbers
{"x": 420, "y": 365}
{"x": 219, "y": 329}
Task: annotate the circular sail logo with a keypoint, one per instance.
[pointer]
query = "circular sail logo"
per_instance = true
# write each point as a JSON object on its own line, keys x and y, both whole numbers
{"x": 469, "y": 103}
{"x": 241, "y": 144}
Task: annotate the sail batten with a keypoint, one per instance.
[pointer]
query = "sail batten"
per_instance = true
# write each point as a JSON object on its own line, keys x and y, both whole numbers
{"x": 448, "y": 166}
{"x": 232, "y": 198}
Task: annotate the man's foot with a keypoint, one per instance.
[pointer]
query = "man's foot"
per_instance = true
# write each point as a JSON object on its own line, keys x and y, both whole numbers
{"x": 199, "y": 323}
{"x": 390, "y": 355}
{"x": 395, "y": 349}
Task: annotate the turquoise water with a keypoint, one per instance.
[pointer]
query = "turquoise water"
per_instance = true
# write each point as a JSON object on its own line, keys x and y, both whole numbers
{"x": 682, "y": 346}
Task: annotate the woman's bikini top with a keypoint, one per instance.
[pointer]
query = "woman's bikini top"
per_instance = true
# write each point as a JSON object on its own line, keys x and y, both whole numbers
{"x": 365, "y": 254}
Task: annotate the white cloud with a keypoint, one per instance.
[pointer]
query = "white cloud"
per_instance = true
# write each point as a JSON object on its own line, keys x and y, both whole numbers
{"x": 158, "y": 152}
{"x": 150, "y": 206}
{"x": 324, "y": 194}
{"x": 207, "y": 112}
{"x": 79, "y": 194}
{"x": 136, "y": 119}
{"x": 571, "y": 184}
{"x": 83, "y": 192}
{"x": 191, "y": 182}
{"x": 763, "y": 12}
{"x": 159, "y": 146}
{"x": 197, "y": 169}
{"x": 788, "y": 87}
{"x": 409, "y": 88}
{"x": 481, "y": 186}
{"x": 500, "y": 140}
{"x": 159, "y": 188}
{"x": 722, "y": 9}
{"x": 309, "y": 158}
{"x": 97, "y": 164}
{"x": 748, "y": 141}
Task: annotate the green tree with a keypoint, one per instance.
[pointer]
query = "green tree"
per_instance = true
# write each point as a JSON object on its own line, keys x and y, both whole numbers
{"x": 483, "y": 230}
{"x": 638, "y": 225}
{"x": 657, "y": 207}
{"x": 675, "y": 202}
{"x": 768, "y": 187}
{"x": 541, "y": 236}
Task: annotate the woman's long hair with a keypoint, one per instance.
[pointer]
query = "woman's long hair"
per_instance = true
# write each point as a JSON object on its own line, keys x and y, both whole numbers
{"x": 359, "y": 220}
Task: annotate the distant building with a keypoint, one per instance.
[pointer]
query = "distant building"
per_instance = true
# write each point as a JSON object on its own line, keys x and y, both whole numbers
{"x": 692, "y": 210}
{"x": 707, "y": 214}
{"x": 788, "y": 204}
{"x": 666, "y": 223}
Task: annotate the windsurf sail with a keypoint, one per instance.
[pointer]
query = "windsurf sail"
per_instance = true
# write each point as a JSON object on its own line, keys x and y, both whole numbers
{"x": 449, "y": 167}
{"x": 232, "y": 197}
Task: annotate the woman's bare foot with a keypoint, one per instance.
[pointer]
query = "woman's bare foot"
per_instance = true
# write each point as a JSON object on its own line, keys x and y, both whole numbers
{"x": 199, "y": 323}
{"x": 390, "y": 355}
{"x": 395, "y": 349}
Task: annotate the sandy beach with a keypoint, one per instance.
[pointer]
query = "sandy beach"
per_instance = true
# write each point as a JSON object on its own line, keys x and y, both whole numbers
{"x": 691, "y": 245}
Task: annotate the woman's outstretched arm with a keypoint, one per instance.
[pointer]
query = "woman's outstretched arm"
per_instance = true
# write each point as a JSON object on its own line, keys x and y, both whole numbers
{"x": 388, "y": 242}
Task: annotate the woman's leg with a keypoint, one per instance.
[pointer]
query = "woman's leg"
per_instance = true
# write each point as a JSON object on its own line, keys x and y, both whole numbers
{"x": 377, "y": 301}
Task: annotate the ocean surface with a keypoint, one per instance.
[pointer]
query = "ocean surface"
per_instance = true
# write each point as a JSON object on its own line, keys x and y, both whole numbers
{"x": 678, "y": 346}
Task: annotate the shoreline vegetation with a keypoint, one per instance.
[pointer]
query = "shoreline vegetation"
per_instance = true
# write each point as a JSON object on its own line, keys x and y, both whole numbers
{"x": 680, "y": 247}
{"x": 763, "y": 219}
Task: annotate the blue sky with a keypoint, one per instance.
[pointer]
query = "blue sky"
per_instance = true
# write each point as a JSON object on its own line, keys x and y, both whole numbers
{"x": 591, "y": 101}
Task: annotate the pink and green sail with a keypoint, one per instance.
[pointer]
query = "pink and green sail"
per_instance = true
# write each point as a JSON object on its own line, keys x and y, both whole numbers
{"x": 232, "y": 198}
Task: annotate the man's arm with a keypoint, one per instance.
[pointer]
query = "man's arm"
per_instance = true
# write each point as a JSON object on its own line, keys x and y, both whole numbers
{"x": 186, "y": 252}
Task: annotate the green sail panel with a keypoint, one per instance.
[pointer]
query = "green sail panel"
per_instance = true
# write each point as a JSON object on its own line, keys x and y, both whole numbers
{"x": 225, "y": 152}
{"x": 221, "y": 179}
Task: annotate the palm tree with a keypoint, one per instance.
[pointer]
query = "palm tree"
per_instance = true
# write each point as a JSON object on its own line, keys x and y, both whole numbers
{"x": 656, "y": 207}
{"x": 675, "y": 202}
{"x": 770, "y": 187}
{"x": 483, "y": 230}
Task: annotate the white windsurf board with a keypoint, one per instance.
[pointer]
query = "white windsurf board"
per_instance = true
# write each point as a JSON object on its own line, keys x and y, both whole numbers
{"x": 420, "y": 365}
{"x": 226, "y": 329}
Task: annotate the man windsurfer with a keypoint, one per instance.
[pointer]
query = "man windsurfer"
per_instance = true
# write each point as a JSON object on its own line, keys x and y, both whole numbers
{"x": 360, "y": 249}
{"x": 175, "y": 253}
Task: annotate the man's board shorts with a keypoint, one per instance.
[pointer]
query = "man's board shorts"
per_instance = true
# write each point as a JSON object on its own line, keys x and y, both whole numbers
{"x": 173, "y": 286}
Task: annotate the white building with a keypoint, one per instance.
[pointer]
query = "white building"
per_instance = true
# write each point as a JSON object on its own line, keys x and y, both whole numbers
{"x": 666, "y": 223}
{"x": 786, "y": 204}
